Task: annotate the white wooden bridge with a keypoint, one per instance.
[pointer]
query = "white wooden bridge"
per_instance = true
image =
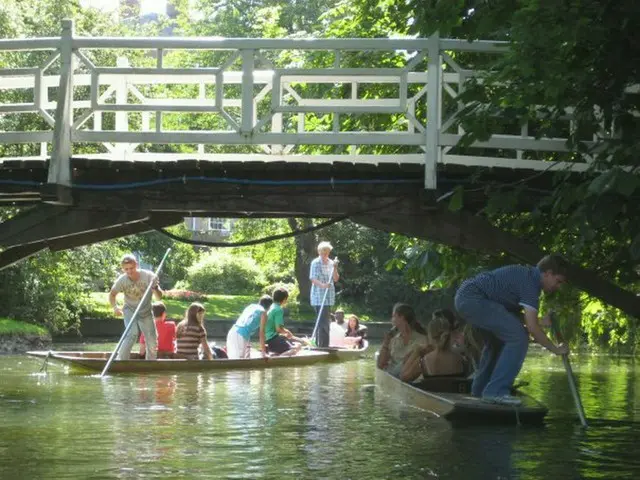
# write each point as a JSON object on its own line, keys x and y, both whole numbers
{"x": 213, "y": 99}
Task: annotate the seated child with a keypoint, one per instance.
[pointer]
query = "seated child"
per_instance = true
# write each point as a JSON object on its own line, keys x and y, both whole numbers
{"x": 273, "y": 336}
{"x": 166, "y": 333}
{"x": 191, "y": 334}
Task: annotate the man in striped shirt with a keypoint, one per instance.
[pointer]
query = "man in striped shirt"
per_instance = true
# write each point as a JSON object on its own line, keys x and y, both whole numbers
{"x": 491, "y": 301}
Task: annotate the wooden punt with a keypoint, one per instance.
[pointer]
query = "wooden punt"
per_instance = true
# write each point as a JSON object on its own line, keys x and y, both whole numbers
{"x": 95, "y": 361}
{"x": 344, "y": 354}
{"x": 449, "y": 397}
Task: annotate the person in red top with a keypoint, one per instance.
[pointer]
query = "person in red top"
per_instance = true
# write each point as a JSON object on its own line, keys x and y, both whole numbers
{"x": 166, "y": 332}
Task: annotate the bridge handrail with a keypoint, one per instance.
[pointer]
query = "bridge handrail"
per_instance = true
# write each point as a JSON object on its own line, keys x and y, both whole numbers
{"x": 432, "y": 139}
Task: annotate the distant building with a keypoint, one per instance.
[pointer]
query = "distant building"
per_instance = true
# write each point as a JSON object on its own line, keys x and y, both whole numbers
{"x": 208, "y": 228}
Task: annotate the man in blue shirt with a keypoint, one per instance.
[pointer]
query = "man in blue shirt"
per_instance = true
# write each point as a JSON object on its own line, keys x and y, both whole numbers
{"x": 491, "y": 301}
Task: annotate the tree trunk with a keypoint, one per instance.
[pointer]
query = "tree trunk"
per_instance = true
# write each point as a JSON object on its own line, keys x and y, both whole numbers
{"x": 305, "y": 253}
{"x": 460, "y": 229}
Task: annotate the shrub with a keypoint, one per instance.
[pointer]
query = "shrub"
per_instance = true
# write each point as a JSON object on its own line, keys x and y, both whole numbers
{"x": 292, "y": 288}
{"x": 226, "y": 274}
{"x": 185, "y": 295}
{"x": 46, "y": 289}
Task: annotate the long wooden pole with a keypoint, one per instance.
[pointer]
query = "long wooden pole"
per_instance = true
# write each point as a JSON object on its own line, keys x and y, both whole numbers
{"x": 133, "y": 317}
{"x": 570, "y": 377}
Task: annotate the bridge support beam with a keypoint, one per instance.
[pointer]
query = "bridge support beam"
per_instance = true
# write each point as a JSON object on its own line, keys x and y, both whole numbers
{"x": 460, "y": 229}
{"x": 47, "y": 223}
{"x": 433, "y": 151}
{"x": 60, "y": 228}
{"x": 60, "y": 163}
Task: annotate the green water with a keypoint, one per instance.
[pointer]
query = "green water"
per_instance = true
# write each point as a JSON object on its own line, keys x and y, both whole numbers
{"x": 325, "y": 421}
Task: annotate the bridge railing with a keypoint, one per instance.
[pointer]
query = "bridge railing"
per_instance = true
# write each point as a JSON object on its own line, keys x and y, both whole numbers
{"x": 250, "y": 99}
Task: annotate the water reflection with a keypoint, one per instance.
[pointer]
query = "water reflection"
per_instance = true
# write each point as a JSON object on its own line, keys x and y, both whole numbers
{"x": 323, "y": 421}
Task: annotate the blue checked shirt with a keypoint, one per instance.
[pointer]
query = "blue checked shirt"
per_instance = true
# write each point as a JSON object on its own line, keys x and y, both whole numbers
{"x": 320, "y": 271}
{"x": 512, "y": 286}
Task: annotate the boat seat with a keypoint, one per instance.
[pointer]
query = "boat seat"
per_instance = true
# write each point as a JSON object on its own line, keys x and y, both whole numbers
{"x": 445, "y": 383}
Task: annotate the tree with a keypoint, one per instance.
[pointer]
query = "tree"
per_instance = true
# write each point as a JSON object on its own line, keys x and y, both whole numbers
{"x": 305, "y": 253}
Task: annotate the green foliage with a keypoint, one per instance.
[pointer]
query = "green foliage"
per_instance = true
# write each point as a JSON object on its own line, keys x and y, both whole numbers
{"x": 292, "y": 288}
{"x": 221, "y": 272}
{"x": 606, "y": 328}
{"x": 152, "y": 247}
{"x": 429, "y": 265}
{"x": 184, "y": 295}
{"x": 276, "y": 258}
{"x": 225, "y": 307}
{"x": 47, "y": 289}
{"x": 9, "y": 326}
{"x": 584, "y": 62}
{"x": 217, "y": 307}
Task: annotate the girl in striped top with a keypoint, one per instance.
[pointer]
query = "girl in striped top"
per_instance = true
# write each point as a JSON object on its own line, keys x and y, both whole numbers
{"x": 191, "y": 333}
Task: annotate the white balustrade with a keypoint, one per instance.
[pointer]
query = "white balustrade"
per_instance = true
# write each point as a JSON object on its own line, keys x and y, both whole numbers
{"x": 152, "y": 99}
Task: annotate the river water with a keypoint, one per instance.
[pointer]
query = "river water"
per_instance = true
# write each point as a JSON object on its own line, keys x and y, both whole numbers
{"x": 324, "y": 421}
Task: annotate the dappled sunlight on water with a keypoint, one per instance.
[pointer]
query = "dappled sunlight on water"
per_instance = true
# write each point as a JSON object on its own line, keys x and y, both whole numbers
{"x": 323, "y": 421}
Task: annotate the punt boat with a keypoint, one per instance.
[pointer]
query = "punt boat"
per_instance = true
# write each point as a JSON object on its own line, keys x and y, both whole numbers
{"x": 95, "y": 361}
{"x": 449, "y": 397}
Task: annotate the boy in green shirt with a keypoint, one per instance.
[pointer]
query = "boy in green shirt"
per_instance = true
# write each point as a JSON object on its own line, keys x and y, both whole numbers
{"x": 273, "y": 335}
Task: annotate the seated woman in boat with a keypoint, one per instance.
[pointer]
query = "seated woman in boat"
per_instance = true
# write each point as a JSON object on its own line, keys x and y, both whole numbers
{"x": 191, "y": 334}
{"x": 355, "y": 333}
{"x": 338, "y": 333}
{"x": 273, "y": 336}
{"x": 406, "y": 336}
{"x": 440, "y": 357}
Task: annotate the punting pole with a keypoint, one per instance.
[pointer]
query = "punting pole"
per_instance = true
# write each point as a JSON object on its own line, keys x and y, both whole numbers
{"x": 133, "y": 317}
{"x": 570, "y": 377}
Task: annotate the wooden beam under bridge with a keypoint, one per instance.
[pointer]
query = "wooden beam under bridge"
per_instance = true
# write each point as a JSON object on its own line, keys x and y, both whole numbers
{"x": 82, "y": 234}
{"x": 461, "y": 229}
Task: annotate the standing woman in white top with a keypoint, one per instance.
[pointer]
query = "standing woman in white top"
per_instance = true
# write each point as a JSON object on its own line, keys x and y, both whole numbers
{"x": 323, "y": 275}
{"x": 406, "y": 335}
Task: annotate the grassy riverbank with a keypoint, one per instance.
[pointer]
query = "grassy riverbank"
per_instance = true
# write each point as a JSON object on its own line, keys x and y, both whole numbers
{"x": 9, "y": 326}
{"x": 218, "y": 307}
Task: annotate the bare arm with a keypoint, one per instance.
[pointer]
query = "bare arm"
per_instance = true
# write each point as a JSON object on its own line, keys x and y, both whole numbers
{"x": 384, "y": 355}
{"x": 206, "y": 348}
{"x": 112, "y": 300}
{"x": 531, "y": 320}
{"x": 263, "y": 324}
{"x": 411, "y": 368}
{"x": 157, "y": 292}
{"x": 336, "y": 275}
{"x": 287, "y": 333}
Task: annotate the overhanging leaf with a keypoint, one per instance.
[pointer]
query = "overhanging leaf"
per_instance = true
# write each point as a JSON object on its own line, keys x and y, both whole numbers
{"x": 456, "y": 202}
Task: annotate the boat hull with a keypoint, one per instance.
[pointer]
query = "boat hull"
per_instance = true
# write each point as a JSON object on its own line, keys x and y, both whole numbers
{"x": 96, "y": 361}
{"x": 343, "y": 354}
{"x": 448, "y": 397}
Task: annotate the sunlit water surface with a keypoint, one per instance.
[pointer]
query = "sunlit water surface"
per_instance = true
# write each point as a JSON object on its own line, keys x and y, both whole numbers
{"x": 324, "y": 421}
